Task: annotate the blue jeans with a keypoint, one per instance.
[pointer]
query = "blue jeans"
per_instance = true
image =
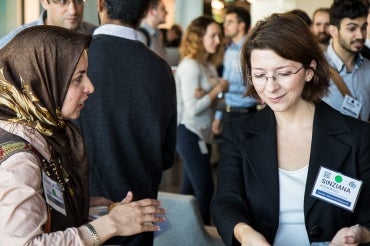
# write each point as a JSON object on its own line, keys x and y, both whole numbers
{"x": 197, "y": 172}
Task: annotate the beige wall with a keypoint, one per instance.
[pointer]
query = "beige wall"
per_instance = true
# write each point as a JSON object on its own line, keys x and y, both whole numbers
{"x": 180, "y": 11}
{"x": 311, "y": 5}
{"x": 10, "y": 17}
{"x": 263, "y": 8}
{"x": 32, "y": 10}
{"x": 170, "y": 19}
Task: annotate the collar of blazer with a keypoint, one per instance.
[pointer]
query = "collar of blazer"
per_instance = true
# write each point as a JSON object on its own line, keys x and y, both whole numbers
{"x": 326, "y": 119}
{"x": 258, "y": 147}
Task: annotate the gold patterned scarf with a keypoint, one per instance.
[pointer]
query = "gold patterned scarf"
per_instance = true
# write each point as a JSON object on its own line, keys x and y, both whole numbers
{"x": 29, "y": 111}
{"x": 36, "y": 68}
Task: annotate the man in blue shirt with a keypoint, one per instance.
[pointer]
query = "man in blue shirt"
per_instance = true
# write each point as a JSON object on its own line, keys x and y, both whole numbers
{"x": 236, "y": 26}
{"x": 348, "y": 23}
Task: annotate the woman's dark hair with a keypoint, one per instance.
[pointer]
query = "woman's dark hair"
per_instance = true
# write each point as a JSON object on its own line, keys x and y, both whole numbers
{"x": 279, "y": 33}
{"x": 303, "y": 15}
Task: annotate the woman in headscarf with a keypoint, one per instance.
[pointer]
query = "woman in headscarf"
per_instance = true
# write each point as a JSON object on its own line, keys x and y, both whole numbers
{"x": 43, "y": 166}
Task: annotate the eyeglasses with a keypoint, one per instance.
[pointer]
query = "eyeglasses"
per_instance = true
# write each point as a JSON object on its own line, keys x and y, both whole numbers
{"x": 66, "y": 2}
{"x": 261, "y": 79}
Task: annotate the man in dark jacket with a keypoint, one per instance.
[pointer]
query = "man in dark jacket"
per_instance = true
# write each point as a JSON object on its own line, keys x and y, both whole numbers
{"x": 129, "y": 123}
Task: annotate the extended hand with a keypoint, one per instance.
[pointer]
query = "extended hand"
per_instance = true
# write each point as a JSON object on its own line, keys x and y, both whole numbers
{"x": 199, "y": 93}
{"x": 223, "y": 85}
{"x": 216, "y": 127}
{"x": 347, "y": 236}
{"x": 136, "y": 217}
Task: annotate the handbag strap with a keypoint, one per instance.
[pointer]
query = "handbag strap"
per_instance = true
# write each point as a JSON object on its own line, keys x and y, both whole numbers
{"x": 338, "y": 81}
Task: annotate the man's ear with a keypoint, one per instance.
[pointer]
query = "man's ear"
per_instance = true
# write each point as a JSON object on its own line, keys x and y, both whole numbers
{"x": 45, "y": 4}
{"x": 242, "y": 26}
{"x": 333, "y": 30}
{"x": 101, "y": 5}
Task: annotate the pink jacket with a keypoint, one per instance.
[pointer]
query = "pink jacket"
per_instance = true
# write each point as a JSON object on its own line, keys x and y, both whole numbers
{"x": 22, "y": 206}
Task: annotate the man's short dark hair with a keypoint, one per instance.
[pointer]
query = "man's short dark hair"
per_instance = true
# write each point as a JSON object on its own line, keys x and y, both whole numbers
{"x": 128, "y": 12}
{"x": 154, "y": 3}
{"x": 242, "y": 14}
{"x": 352, "y": 9}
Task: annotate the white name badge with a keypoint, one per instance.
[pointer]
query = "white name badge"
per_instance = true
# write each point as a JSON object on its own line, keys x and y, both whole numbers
{"x": 351, "y": 106}
{"x": 203, "y": 147}
{"x": 53, "y": 194}
{"x": 336, "y": 188}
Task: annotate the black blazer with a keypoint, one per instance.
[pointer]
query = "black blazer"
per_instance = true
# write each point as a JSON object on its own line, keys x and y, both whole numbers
{"x": 248, "y": 181}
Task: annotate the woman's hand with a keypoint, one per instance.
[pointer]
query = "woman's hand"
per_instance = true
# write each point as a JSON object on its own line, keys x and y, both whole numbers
{"x": 136, "y": 217}
{"x": 127, "y": 218}
{"x": 216, "y": 127}
{"x": 199, "y": 93}
{"x": 247, "y": 236}
{"x": 223, "y": 85}
{"x": 351, "y": 236}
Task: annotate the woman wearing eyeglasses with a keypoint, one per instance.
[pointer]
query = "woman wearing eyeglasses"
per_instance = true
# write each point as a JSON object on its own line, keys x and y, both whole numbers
{"x": 44, "y": 188}
{"x": 297, "y": 171}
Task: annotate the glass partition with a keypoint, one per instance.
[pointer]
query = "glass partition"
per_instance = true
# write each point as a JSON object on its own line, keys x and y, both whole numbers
{"x": 11, "y": 15}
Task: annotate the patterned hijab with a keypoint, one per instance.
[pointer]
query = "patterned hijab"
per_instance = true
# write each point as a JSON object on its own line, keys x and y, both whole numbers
{"x": 36, "y": 68}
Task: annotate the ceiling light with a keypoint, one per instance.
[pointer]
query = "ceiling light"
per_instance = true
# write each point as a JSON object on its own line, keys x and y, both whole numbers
{"x": 217, "y": 4}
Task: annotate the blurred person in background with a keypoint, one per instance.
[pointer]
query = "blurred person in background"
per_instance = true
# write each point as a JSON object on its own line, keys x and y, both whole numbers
{"x": 350, "y": 83}
{"x": 236, "y": 26}
{"x": 149, "y": 32}
{"x": 320, "y": 27}
{"x": 63, "y": 13}
{"x": 197, "y": 87}
{"x": 174, "y": 35}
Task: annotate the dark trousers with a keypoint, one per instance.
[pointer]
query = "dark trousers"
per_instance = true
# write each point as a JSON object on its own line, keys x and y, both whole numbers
{"x": 197, "y": 171}
{"x": 142, "y": 239}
